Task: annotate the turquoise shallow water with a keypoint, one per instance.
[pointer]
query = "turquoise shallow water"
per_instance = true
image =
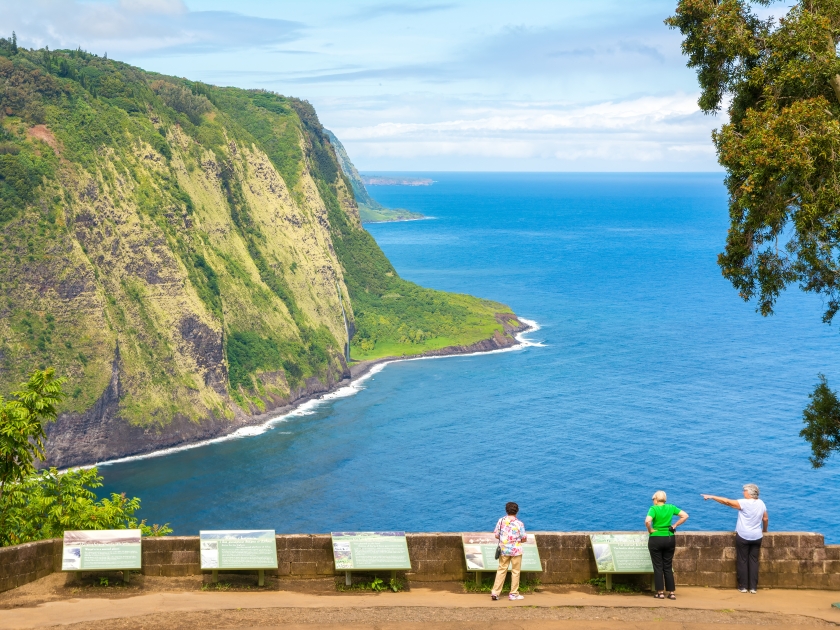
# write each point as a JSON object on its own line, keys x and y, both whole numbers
{"x": 652, "y": 374}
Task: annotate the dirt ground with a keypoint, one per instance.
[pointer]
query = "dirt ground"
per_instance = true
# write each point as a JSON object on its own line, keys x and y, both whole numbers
{"x": 68, "y": 602}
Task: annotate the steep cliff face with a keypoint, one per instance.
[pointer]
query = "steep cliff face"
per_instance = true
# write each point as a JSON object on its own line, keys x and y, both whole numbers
{"x": 182, "y": 254}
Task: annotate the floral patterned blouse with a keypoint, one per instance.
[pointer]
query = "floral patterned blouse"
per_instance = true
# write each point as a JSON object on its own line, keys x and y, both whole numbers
{"x": 511, "y": 532}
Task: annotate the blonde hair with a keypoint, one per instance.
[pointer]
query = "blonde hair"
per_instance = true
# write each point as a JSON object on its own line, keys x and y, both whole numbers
{"x": 660, "y": 497}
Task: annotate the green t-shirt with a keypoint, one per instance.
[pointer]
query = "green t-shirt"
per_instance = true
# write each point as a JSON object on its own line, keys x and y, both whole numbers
{"x": 662, "y": 516}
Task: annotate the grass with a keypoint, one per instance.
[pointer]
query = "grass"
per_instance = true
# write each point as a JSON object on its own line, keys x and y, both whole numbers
{"x": 526, "y": 585}
{"x": 380, "y": 215}
{"x": 617, "y": 587}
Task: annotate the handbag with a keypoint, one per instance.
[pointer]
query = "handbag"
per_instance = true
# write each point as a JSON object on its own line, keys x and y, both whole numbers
{"x": 499, "y": 546}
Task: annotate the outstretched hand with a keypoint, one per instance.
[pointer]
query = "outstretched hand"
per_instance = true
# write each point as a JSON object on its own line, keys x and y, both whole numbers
{"x": 706, "y": 497}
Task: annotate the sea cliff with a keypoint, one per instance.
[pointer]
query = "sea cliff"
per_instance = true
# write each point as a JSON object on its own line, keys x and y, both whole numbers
{"x": 190, "y": 257}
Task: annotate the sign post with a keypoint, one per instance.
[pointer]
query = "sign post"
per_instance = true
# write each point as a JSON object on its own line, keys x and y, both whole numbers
{"x": 370, "y": 551}
{"x": 480, "y": 554}
{"x": 238, "y": 550}
{"x": 102, "y": 550}
{"x": 621, "y": 553}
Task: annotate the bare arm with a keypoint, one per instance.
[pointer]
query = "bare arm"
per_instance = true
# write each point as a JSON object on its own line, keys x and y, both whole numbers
{"x": 683, "y": 518}
{"x": 723, "y": 501}
{"x": 649, "y": 524}
{"x": 765, "y": 522}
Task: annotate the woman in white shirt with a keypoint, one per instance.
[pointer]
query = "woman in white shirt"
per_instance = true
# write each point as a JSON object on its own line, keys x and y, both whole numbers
{"x": 752, "y": 523}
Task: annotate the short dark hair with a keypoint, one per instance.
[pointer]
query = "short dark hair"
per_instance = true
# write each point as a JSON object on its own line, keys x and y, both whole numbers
{"x": 511, "y": 508}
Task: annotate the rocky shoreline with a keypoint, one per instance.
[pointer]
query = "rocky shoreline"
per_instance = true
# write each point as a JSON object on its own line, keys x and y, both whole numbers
{"x": 99, "y": 436}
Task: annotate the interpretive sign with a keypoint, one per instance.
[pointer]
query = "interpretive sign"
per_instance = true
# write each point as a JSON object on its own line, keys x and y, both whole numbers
{"x": 355, "y": 551}
{"x": 480, "y": 552}
{"x": 101, "y": 550}
{"x": 238, "y": 549}
{"x": 621, "y": 553}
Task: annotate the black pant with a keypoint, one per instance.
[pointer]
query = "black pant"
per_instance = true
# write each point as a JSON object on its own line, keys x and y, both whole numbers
{"x": 747, "y": 562}
{"x": 661, "y": 550}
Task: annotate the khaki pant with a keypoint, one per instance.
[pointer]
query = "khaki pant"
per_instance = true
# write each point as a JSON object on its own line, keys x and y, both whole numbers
{"x": 515, "y": 563}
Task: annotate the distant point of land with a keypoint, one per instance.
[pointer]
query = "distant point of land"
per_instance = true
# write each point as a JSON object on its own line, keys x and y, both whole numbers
{"x": 376, "y": 180}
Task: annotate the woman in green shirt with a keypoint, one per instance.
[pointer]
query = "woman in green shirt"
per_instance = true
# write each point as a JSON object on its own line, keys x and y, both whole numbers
{"x": 662, "y": 543}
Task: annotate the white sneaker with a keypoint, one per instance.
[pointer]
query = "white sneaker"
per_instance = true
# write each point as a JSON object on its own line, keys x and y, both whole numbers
{"x": 753, "y": 591}
{"x": 742, "y": 590}
{"x": 514, "y": 597}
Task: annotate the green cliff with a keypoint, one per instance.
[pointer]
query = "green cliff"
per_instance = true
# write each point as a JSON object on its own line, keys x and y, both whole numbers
{"x": 186, "y": 255}
{"x": 370, "y": 210}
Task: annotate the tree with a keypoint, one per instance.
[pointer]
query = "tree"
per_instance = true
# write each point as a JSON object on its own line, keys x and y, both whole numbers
{"x": 14, "y": 43}
{"x": 822, "y": 423}
{"x": 780, "y": 149}
{"x": 22, "y": 426}
{"x": 38, "y": 505}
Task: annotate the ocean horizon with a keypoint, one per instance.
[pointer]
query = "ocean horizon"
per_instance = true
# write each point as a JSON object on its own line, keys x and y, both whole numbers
{"x": 648, "y": 372}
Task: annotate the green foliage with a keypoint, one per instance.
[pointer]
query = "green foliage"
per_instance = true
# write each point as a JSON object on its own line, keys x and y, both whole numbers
{"x": 780, "y": 150}
{"x": 781, "y": 143}
{"x": 822, "y": 423}
{"x": 46, "y": 504}
{"x": 183, "y": 100}
{"x": 40, "y": 505}
{"x": 22, "y": 420}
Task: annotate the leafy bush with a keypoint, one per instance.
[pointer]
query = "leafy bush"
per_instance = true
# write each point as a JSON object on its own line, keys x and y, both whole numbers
{"x": 46, "y": 504}
{"x": 183, "y": 100}
{"x": 41, "y": 505}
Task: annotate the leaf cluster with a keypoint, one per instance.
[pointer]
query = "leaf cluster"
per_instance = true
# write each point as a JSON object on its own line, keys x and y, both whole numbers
{"x": 39, "y": 505}
{"x": 781, "y": 145}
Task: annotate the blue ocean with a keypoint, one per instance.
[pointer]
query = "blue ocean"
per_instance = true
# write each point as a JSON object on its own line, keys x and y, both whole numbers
{"x": 648, "y": 372}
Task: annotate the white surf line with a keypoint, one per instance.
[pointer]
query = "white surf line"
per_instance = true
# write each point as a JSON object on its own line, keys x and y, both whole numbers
{"x": 310, "y": 406}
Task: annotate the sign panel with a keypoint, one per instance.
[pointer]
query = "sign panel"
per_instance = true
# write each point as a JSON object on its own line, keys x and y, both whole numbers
{"x": 238, "y": 549}
{"x": 480, "y": 552}
{"x": 621, "y": 553}
{"x": 370, "y": 550}
{"x": 101, "y": 550}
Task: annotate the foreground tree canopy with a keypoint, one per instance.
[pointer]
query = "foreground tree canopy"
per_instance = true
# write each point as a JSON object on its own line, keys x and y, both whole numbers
{"x": 35, "y": 505}
{"x": 780, "y": 83}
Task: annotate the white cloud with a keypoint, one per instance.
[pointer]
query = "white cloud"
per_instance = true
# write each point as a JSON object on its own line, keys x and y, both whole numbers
{"x": 138, "y": 26}
{"x": 648, "y": 133}
{"x": 163, "y": 7}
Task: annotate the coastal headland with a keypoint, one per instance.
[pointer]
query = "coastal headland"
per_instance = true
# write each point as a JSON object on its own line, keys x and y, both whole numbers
{"x": 191, "y": 258}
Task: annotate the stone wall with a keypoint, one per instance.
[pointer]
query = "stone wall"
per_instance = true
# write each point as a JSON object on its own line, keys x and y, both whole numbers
{"x": 22, "y": 564}
{"x": 788, "y": 560}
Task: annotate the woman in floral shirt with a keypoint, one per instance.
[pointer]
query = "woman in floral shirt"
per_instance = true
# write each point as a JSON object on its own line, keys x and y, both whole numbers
{"x": 511, "y": 534}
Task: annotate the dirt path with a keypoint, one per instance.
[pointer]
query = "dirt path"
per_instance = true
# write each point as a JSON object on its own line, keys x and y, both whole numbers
{"x": 424, "y": 608}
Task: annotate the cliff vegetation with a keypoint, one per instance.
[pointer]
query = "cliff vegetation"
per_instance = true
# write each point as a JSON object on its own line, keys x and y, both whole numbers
{"x": 186, "y": 255}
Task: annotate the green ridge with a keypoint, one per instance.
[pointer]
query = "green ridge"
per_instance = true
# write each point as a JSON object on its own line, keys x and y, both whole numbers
{"x": 196, "y": 237}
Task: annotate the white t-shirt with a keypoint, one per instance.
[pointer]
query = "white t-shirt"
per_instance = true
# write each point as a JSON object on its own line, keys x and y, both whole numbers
{"x": 750, "y": 518}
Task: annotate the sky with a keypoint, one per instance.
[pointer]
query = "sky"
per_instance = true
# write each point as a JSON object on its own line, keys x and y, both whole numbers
{"x": 430, "y": 85}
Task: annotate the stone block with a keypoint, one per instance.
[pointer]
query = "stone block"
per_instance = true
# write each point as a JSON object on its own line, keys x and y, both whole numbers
{"x": 151, "y": 569}
{"x": 831, "y": 566}
{"x": 688, "y": 565}
{"x": 156, "y": 557}
{"x": 834, "y": 581}
{"x": 308, "y": 569}
{"x": 186, "y": 557}
{"x": 325, "y": 567}
{"x": 180, "y": 570}
{"x": 706, "y": 565}
{"x": 815, "y": 580}
{"x": 832, "y": 552}
{"x": 284, "y": 568}
{"x": 780, "y": 540}
{"x": 811, "y": 541}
